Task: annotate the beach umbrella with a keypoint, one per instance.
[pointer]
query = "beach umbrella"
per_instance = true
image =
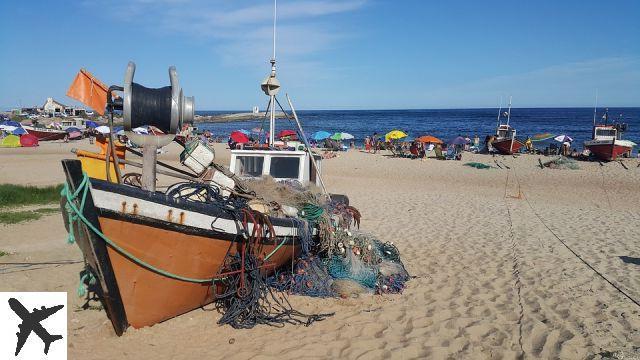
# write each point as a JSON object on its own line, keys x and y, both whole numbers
{"x": 19, "y": 131}
{"x": 341, "y": 136}
{"x": 542, "y": 137}
{"x": 154, "y": 130}
{"x": 459, "y": 140}
{"x": 429, "y": 139}
{"x": 244, "y": 131}
{"x": 75, "y": 135}
{"x": 256, "y": 130}
{"x": 10, "y": 141}
{"x": 103, "y": 129}
{"x": 239, "y": 137}
{"x": 8, "y": 128}
{"x": 10, "y": 123}
{"x": 394, "y": 135}
{"x": 140, "y": 131}
{"x": 286, "y": 133}
{"x": 320, "y": 135}
{"x": 91, "y": 124}
{"x": 563, "y": 138}
{"x": 28, "y": 140}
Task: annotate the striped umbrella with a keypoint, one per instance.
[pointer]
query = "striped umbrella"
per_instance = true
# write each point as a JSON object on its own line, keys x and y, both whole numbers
{"x": 542, "y": 137}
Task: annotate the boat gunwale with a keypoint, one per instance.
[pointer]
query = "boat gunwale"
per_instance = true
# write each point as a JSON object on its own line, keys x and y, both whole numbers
{"x": 162, "y": 199}
{"x": 186, "y": 229}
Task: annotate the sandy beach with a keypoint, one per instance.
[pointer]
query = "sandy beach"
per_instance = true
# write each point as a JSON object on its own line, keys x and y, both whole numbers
{"x": 489, "y": 249}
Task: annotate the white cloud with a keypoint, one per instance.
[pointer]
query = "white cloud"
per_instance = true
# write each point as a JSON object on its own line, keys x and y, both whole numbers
{"x": 570, "y": 84}
{"x": 239, "y": 32}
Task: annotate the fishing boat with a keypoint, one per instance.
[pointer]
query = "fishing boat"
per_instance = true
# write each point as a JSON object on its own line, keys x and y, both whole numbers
{"x": 154, "y": 235}
{"x": 505, "y": 141}
{"x": 45, "y": 134}
{"x": 606, "y": 142}
{"x": 154, "y": 255}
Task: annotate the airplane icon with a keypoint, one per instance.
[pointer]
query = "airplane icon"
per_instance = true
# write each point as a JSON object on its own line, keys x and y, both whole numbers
{"x": 31, "y": 322}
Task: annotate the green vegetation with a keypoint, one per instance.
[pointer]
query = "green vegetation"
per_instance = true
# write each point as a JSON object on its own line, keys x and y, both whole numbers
{"x": 3, "y": 253}
{"x": 18, "y": 195}
{"x": 14, "y": 217}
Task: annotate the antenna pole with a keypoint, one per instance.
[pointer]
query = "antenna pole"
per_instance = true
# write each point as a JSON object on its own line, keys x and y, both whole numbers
{"x": 272, "y": 94}
{"x": 509, "y": 113}
{"x": 275, "y": 6}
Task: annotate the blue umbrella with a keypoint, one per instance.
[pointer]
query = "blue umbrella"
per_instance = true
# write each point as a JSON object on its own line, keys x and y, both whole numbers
{"x": 91, "y": 124}
{"x": 10, "y": 123}
{"x": 19, "y": 131}
{"x": 457, "y": 141}
{"x": 246, "y": 132}
{"x": 320, "y": 135}
{"x": 72, "y": 129}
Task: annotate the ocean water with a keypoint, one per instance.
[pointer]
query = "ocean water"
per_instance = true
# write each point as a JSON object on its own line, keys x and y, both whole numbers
{"x": 444, "y": 124}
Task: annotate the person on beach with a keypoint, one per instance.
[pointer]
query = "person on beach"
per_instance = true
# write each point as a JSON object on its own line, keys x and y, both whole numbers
{"x": 367, "y": 144}
{"x": 476, "y": 141}
{"x": 376, "y": 143}
{"x": 529, "y": 145}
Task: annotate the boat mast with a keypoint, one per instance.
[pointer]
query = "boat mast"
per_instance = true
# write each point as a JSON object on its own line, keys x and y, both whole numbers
{"x": 595, "y": 108}
{"x": 271, "y": 85}
{"x": 499, "y": 113}
{"x": 509, "y": 113}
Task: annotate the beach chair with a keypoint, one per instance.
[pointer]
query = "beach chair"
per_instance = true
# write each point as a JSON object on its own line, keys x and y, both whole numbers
{"x": 439, "y": 154}
{"x": 451, "y": 154}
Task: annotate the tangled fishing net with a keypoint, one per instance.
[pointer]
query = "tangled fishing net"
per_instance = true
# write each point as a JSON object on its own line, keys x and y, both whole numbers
{"x": 335, "y": 259}
{"x": 563, "y": 163}
{"x": 477, "y": 165}
{"x": 362, "y": 264}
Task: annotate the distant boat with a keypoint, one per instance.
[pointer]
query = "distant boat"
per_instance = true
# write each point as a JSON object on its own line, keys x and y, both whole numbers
{"x": 606, "y": 142}
{"x": 44, "y": 134}
{"x": 505, "y": 141}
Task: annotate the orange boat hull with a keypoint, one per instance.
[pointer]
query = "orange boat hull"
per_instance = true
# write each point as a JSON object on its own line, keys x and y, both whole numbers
{"x": 150, "y": 298}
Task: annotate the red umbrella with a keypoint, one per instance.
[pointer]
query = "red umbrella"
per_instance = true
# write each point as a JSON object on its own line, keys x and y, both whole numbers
{"x": 287, "y": 133}
{"x": 239, "y": 137}
{"x": 28, "y": 140}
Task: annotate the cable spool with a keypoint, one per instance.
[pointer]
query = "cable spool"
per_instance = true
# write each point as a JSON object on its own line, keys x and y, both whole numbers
{"x": 165, "y": 108}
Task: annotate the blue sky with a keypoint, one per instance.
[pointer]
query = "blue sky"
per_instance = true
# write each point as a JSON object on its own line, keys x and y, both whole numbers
{"x": 332, "y": 54}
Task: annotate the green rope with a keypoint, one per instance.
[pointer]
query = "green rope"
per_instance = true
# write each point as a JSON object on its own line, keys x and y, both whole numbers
{"x": 85, "y": 277}
{"x": 76, "y": 214}
{"x": 73, "y": 216}
{"x": 311, "y": 212}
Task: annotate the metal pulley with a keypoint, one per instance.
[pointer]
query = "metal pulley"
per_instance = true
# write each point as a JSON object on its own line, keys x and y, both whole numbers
{"x": 165, "y": 108}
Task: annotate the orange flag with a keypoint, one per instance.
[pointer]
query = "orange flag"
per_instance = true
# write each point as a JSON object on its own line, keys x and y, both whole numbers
{"x": 89, "y": 90}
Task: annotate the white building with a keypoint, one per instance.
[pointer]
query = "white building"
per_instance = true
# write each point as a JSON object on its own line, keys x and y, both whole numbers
{"x": 51, "y": 106}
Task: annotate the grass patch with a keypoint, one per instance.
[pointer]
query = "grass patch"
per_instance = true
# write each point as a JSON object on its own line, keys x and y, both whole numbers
{"x": 19, "y": 195}
{"x": 3, "y": 253}
{"x": 14, "y": 217}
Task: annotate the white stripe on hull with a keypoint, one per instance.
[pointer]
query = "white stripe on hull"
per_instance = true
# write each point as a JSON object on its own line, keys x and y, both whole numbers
{"x": 116, "y": 202}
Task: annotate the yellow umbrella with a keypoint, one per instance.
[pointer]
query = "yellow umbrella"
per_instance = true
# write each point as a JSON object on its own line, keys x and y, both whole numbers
{"x": 394, "y": 135}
